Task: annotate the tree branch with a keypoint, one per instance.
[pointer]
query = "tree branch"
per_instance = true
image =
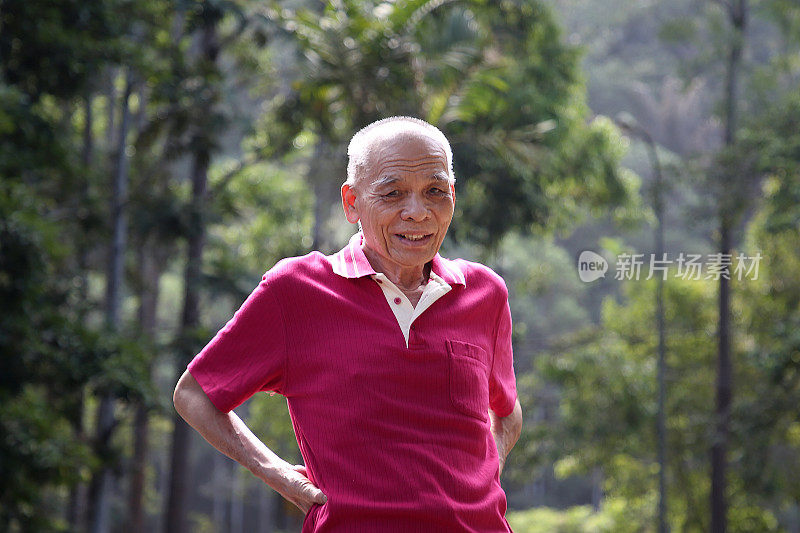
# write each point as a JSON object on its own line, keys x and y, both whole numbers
{"x": 226, "y": 178}
{"x": 727, "y": 6}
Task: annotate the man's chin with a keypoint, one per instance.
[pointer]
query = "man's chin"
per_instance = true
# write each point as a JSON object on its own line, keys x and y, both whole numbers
{"x": 413, "y": 260}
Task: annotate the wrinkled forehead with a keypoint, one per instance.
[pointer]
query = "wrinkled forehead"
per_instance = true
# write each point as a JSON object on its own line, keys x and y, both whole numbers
{"x": 405, "y": 149}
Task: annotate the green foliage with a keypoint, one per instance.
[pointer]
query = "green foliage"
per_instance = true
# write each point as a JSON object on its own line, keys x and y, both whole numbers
{"x": 53, "y": 351}
{"x": 54, "y": 48}
{"x": 28, "y": 141}
{"x": 774, "y": 140}
{"x": 523, "y": 154}
{"x": 547, "y": 295}
{"x": 607, "y": 387}
{"x": 38, "y": 451}
{"x": 289, "y": 84}
{"x": 269, "y": 420}
{"x": 608, "y": 397}
{"x": 267, "y": 217}
{"x": 355, "y": 67}
{"x": 574, "y": 520}
{"x": 617, "y": 515}
{"x": 768, "y": 428}
{"x": 46, "y": 356}
{"x": 496, "y": 78}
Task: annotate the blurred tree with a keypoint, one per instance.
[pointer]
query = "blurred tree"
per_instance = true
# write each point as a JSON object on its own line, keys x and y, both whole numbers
{"x": 46, "y": 355}
{"x": 733, "y": 189}
{"x": 497, "y": 79}
{"x": 99, "y": 491}
{"x": 354, "y": 67}
{"x": 608, "y": 403}
{"x": 201, "y": 146}
{"x": 548, "y": 305}
{"x": 203, "y": 122}
{"x": 524, "y": 155}
{"x": 49, "y": 52}
{"x": 767, "y": 428}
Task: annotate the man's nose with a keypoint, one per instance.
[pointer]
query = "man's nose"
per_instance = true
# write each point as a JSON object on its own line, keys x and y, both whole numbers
{"x": 415, "y": 208}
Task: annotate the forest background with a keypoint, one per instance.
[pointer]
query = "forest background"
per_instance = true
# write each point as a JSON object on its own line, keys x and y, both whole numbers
{"x": 157, "y": 156}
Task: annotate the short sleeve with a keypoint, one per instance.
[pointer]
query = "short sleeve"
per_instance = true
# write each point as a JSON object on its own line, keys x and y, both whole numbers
{"x": 502, "y": 383}
{"x": 248, "y": 355}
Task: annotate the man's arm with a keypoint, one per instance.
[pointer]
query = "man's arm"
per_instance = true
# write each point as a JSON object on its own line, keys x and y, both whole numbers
{"x": 506, "y": 431}
{"x": 227, "y": 433}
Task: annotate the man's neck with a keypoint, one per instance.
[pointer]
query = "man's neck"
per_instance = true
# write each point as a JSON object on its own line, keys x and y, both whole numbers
{"x": 410, "y": 280}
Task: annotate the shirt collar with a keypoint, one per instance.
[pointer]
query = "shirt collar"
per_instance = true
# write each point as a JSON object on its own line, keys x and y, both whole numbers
{"x": 351, "y": 262}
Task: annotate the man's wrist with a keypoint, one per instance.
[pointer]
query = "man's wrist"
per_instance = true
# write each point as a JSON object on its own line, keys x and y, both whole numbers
{"x": 271, "y": 472}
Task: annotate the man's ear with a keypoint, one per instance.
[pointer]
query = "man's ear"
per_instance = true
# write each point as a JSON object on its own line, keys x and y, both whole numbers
{"x": 349, "y": 203}
{"x": 453, "y": 191}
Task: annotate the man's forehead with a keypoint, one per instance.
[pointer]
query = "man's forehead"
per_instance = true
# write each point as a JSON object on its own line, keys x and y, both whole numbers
{"x": 398, "y": 146}
{"x": 392, "y": 165}
{"x": 393, "y": 178}
{"x": 411, "y": 147}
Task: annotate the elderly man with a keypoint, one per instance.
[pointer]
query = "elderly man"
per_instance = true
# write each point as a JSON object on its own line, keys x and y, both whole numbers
{"x": 395, "y": 362}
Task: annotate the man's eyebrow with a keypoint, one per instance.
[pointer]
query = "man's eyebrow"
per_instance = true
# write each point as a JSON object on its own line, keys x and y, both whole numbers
{"x": 385, "y": 180}
{"x": 390, "y": 179}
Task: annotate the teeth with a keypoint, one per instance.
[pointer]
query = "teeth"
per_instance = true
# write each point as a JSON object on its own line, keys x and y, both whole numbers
{"x": 413, "y": 237}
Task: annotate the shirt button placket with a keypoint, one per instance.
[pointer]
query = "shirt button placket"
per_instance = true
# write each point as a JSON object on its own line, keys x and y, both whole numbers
{"x": 414, "y": 342}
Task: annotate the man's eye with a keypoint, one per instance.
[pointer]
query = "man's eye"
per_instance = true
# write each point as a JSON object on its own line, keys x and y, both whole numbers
{"x": 391, "y": 194}
{"x": 437, "y": 190}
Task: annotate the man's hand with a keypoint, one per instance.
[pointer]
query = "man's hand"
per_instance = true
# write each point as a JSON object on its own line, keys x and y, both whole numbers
{"x": 227, "y": 433}
{"x": 298, "y": 489}
{"x": 506, "y": 431}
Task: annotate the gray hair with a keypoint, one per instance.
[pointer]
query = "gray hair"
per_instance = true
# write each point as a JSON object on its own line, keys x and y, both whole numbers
{"x": 360, "y": 147}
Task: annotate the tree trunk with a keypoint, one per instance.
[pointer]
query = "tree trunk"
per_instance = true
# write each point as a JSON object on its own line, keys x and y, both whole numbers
{"x": 317, "y": 167}
{"x": 77, "y": 497}
{"x": 176, "y": 509}
{"x": 141, "y": 445}
{"x": 99, "y": 492}
{"x": 723, "y": 401}
{"x": 88, "y": 138}
{"x": 237, "y": 499}
{"x": 111, "y": 98}
{"x": 152, "y": 264}
{"x": 724, "y": 386}
{"x": 661, "y": 421}
{"x": 219, "y": 464}
{"x": 265, "y": 510}
{"x": 322, "y": 177}
{"x": 179, "y": 470}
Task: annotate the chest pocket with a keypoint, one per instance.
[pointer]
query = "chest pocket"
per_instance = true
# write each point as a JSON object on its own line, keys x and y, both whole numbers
{"x": 469, "y": 383}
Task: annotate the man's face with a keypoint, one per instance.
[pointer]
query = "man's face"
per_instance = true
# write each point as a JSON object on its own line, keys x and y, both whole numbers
{"x": 404, "y": 200}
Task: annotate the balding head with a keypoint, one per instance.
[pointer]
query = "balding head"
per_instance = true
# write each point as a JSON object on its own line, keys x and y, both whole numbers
{"x": 367, "y": 141}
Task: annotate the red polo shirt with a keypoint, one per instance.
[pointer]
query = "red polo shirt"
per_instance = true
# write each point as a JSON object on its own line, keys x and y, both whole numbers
{"x": 396, "y": 436}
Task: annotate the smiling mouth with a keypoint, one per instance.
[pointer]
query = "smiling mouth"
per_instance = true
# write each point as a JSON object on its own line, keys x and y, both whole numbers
{"x": 414, "y": 238}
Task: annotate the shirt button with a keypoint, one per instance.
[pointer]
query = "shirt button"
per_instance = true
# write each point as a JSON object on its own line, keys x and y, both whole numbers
{"x": 397, "y": 300}
{"x": 379, "y": 280}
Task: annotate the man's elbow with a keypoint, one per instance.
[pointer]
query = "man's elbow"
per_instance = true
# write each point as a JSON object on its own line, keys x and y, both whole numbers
{"x": 179, "y": 399}
{"x": 183, "y": 394}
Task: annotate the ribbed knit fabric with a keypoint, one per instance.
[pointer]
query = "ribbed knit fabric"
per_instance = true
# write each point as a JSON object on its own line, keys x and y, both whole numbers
{"x": 397, "y": 437}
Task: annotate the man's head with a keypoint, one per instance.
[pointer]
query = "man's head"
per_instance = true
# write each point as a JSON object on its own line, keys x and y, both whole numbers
{"x": 400, "y": 187}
